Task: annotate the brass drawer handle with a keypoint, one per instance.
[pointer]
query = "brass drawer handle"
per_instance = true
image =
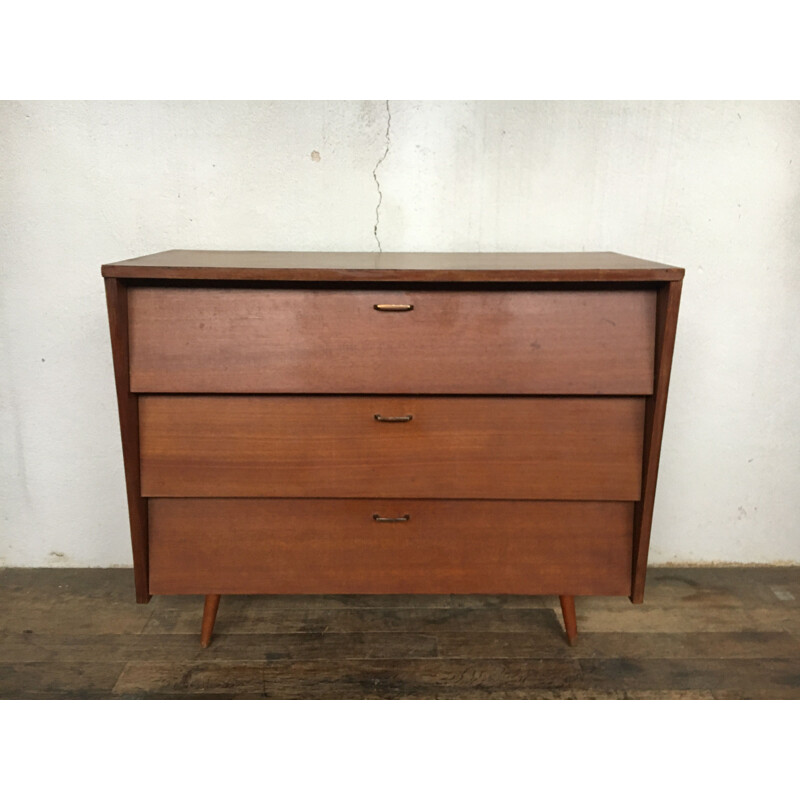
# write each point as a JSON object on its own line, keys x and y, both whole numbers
{"x": 406, "y": 418}
{"x": 393, "y": 307}
{"x": 379, "y": 518}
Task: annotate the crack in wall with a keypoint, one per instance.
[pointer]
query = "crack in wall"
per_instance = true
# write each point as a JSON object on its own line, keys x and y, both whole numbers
{"x": 375, "y": 175}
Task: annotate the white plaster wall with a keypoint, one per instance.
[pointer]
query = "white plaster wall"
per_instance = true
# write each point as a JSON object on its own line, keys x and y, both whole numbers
{"x": 712, "y": 187}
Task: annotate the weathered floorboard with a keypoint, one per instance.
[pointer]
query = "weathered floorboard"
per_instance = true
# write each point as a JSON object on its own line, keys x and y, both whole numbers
{"x": 757, "y": 644}
{"x": 110, "y": 648}
{"x": 265, "y": 620}
{"x": 727, "y": 633}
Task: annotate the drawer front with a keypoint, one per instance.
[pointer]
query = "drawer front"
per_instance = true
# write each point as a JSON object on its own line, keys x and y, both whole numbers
{"x": 536, "y": 448}
{"x": 254, "y": 546}
{"x": 543, "y": 341}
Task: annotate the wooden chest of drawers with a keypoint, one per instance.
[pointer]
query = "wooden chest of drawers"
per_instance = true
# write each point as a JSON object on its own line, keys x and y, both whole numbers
{"x": 391, "y": 423}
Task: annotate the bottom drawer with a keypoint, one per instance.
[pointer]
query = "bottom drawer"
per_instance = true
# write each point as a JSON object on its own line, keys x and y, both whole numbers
{"x": 277, "y": 546}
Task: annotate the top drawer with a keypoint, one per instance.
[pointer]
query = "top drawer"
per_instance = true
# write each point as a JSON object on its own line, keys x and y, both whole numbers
{"x": 253, "y": 340}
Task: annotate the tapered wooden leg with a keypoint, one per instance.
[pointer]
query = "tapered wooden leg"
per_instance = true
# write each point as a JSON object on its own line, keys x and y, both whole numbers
{"x": 568, "y": 610}
{"x": 209, "y": 616}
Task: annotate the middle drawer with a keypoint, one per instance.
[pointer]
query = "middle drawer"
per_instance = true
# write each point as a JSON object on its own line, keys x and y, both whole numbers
{"x": 534, "y": 448}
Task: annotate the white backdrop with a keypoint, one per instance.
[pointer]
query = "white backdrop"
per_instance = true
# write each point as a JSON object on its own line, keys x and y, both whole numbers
{"x": 711, "y": 187}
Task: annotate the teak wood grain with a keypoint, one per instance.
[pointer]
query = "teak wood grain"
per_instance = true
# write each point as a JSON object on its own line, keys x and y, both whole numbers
{"x": 333, "y": 546}
{"x": 468, "y": 447}
{"x": 128, "y": 407}
{"x": 669, "y": 297}
{"x": 224, "y": 340}
{"x": 427, "y": 267}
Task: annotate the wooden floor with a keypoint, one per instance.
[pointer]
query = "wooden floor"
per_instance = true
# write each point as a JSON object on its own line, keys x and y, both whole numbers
{"x": 701, "y": 633}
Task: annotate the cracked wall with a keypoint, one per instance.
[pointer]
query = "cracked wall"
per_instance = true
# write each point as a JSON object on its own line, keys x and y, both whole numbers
{"x": 375, "y": 174}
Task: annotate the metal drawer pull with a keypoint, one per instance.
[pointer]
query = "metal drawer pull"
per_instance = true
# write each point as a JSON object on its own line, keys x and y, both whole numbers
{"x": 379, "y": 518}
{"x": 406, "y": 418}
{"x": 393, "y": 307}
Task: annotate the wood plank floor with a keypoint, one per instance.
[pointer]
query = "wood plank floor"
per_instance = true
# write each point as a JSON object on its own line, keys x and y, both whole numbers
{"x": 731, "y": 633}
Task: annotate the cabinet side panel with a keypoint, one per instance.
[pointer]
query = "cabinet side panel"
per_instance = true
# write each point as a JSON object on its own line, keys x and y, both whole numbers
{"x": 668, "y": 302}
{"x": 117, "y": 300}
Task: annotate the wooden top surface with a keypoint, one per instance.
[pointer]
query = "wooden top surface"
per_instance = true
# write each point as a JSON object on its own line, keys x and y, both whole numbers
{"x": 253, "y": 265}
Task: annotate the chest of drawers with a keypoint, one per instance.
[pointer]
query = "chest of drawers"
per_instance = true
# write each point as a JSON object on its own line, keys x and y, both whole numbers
{"x": 391, "y": 423}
